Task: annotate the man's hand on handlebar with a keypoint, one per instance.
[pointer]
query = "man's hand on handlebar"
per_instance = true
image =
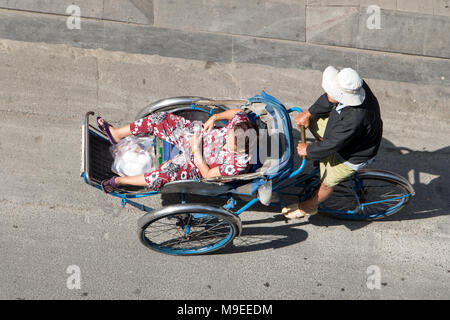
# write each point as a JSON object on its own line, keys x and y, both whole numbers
{"x": 302, "y": 119}
{"x": 301, "y": 149}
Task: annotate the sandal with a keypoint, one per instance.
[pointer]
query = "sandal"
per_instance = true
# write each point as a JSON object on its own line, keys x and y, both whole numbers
{"x": 294, "y": 212}
{"x": 105, "y": 129}
{"x": 109, "y": 185}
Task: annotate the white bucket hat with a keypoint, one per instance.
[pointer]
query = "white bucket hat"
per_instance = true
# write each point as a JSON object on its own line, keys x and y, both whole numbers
{"x": 344, "y": 86}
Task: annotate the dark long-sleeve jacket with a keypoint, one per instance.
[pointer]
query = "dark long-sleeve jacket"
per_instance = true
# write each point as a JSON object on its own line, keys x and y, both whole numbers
{"x": 354, "y": 133}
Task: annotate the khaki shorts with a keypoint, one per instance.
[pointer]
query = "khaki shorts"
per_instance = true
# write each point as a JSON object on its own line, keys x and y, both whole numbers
{"x": 332, "y": 170}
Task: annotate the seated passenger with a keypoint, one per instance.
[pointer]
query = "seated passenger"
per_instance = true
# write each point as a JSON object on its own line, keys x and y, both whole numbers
{"x": 226, "y": 151}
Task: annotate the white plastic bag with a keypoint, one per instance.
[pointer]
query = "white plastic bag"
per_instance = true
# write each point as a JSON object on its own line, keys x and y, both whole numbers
{"x": 133, "y": 156}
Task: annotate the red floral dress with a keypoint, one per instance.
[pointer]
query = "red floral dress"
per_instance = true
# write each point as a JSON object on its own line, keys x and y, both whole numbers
{"x": 178, "y": 131}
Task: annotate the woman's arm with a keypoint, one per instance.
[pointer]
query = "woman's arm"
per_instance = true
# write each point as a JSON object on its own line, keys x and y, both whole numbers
{"x": 203, "y": 167}
{"x": 228, "y": 114}
{"x": 225, "y": 115}
{"x": 196, "y": 141}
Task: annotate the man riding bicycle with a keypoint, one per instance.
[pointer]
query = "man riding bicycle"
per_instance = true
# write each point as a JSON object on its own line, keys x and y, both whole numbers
{"x": 346, "y": 121}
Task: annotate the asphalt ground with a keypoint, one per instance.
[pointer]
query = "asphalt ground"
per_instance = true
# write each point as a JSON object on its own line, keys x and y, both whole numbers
{"x": 50, "y": 219}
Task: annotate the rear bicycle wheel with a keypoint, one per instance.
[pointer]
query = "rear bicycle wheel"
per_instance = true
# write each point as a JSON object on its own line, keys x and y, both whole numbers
{"x": 188, "y": 229}
{"x": 369, "y": 195}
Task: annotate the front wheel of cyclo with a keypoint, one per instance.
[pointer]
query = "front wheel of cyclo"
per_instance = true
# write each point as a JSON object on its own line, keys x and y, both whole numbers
{"x": 368, "y": 195}
{"x": 189, "y": 229}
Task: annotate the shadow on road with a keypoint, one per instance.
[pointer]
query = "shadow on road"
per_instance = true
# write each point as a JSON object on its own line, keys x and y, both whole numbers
{"x": 429, "y": 174}
{"x": 427, "y": 171}
{"x": 256, "y": 238}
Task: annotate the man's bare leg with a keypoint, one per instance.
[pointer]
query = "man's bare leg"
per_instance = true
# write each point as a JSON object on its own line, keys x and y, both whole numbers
{"x": 320, "y": 196}
{"x": 310, "y": 206}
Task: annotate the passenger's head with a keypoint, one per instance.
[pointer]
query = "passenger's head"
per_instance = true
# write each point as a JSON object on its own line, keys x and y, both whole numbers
{"x": 244, "y": 137}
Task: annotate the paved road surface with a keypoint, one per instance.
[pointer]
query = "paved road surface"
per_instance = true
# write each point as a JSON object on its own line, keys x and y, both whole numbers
{"x": 51, "y": 220}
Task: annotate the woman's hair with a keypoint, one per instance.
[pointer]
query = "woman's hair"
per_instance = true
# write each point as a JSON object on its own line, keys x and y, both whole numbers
{"x": 249, "y": 131}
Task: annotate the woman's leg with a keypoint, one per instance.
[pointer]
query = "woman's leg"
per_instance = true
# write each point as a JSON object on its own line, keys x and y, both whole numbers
{"x": 171, "y": 170}
{"x": 167, "y": 126}
{"x": 174, "y": 169}
{"x": 117, "y": 133}
{"x": 161, "y": 124}
{"x": 132, "y": 181}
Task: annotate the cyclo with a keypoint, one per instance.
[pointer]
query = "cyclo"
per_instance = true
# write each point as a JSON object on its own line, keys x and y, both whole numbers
{"x": 193, "y": 228}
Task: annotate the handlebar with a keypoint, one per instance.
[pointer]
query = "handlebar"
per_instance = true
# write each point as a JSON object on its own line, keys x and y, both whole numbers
{"x": 303, "y": 140}
{"x": 302, "y": 128}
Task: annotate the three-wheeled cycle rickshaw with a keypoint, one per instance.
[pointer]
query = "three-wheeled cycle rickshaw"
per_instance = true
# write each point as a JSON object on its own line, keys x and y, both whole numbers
{"x": 199, "y": 228}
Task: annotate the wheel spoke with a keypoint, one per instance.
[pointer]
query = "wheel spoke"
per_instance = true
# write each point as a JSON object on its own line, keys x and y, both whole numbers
{"x": 206, "y": 232}
{"x": 173, "y": 231}
{"x": 377, "y": 196}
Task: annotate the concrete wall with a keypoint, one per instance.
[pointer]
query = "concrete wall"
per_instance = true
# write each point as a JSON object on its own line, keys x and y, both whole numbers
{"x": 412, "y": 44}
